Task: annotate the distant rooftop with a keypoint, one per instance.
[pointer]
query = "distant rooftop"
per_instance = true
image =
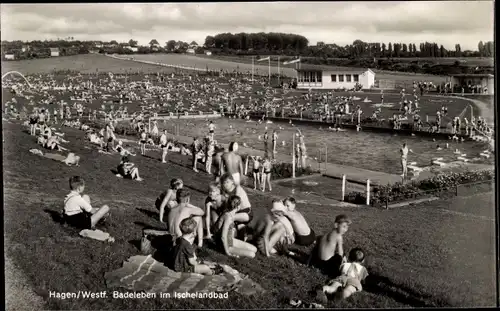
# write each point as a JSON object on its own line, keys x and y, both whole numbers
{"x": 474, "y": 75}
{"x": 308, "y": 67}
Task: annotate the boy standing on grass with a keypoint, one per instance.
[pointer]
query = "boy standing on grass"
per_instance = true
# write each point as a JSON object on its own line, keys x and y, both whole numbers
{"x": 352, "y": 274}
{"x": 184, "y": 252}
{"x": 77, "y": 209}
{"x": 328, "y": 253}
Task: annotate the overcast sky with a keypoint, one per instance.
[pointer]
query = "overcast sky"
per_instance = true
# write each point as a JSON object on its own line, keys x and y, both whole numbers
{"x": 443, "y": 22}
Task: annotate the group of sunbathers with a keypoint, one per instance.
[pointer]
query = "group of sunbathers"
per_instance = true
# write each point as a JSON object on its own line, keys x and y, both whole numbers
{"x": 226, "y": 220}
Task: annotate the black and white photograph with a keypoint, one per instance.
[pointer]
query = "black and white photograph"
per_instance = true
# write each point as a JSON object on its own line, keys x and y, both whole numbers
{"x": 249, "y": 155}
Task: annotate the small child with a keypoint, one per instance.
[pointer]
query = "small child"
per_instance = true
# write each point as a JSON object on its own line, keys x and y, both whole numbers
{"x": 184, "y": 252}
{"x": 328, "y": 253}
{"x": 266, "y": 174}
{"x": 213, "y": 204}
{"x": 142, "y": 141}
{"x": 77, "y": 209}
{"x": 352, "y": 274}
{"x": 256, "y": 173}
{"x": 168, "y": 197}
{"x": 226, "y": 239}
{"x": 209, "y": 153}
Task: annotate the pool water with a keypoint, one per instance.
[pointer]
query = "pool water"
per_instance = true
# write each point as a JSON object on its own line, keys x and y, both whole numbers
{"x": 318, "y": 185}
{"x": 373, "y": 151}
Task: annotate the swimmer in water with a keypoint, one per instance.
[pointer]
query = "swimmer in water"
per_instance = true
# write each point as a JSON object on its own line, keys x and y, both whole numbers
{"x": 438, "y": 147}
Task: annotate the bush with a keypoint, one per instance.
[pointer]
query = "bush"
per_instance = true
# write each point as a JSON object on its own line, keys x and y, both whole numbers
{"x": 442, "y": 183}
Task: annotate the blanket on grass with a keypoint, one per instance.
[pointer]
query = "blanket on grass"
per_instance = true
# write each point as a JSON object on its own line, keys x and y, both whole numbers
{"x": 144, "y": 273}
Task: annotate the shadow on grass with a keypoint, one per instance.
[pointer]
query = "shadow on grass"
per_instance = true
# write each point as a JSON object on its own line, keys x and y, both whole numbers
{"x": 381, "y": 285}
{"x": 55, "y": 215}
{"x": 149, "y": 213}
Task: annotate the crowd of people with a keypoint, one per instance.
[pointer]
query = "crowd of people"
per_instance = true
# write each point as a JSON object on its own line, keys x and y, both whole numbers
{"x": 227, "y": 217}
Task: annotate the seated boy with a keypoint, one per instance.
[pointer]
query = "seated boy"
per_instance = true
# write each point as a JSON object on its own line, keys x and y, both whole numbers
{"x": 304, "y": 235}
{"x": 213, "y": 207}
{"x": 327, "y": 255}
{"x": 127, "y": 169}
{"x": 184, "y": 252}
{"x": 77, "y": 209}
{"x": 352, "y": 274}
{"x": 182, "y": 211}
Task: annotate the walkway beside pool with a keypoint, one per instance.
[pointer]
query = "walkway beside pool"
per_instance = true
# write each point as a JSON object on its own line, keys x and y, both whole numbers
{"x": 353, "y": 174}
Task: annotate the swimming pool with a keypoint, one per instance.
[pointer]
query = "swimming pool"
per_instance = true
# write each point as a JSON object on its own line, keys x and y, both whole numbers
{"x": 368, "y": 150}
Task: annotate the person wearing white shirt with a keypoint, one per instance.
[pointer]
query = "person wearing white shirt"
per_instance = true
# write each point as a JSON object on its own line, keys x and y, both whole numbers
{"x": 77, "y": 209}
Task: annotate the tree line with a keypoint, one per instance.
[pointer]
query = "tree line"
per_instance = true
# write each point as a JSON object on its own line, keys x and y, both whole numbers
{"x": 291, "y": 44}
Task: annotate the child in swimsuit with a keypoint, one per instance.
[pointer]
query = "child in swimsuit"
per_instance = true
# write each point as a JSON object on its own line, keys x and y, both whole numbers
{"x": 213, "y": 207}
{"x": 352, "y": 274}
{"x": 266, "y": 174}
{"x": 256, "y": 174}
{"x": 143, "y": 141}
{"x": 226, "y": 235}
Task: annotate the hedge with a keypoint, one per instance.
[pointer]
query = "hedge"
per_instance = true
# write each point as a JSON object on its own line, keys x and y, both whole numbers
{"x": 442, "y": 183}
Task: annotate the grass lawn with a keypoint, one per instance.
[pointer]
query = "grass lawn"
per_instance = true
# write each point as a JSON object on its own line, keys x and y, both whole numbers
{"x": 85, "y": 63}
{"x": 90, "y": 62}
{"x": 417, "y": 256}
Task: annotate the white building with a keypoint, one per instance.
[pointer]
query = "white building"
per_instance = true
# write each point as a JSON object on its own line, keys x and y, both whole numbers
{"x": 322, "y": 77}
{"x": 190, "y": 51}
{"x": 208, "y": 53}
{"x": 134, "y": 49}
{"x": 54, "y": 52}
{"x": 483, "y": 80}
{"x": 10, "y": 56}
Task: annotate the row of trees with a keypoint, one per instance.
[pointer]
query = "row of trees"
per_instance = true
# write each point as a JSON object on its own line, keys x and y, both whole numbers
{"x": 273, "y": 42}
{"x": 290, "y": 44}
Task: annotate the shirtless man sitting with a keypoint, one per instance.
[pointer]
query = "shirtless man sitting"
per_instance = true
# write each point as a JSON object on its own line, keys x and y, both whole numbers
{"x": 182, "y": 211}
{"x": 231, "y": 163}
{"x": 287, "y": 225}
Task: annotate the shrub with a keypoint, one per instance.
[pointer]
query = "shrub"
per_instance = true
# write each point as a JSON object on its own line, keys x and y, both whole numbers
{"x": 440, "y": 184}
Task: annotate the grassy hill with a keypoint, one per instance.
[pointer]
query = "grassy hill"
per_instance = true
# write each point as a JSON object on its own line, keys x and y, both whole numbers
{"x": 417, "y": 256}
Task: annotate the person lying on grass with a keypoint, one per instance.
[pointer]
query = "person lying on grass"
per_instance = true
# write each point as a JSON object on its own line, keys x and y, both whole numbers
{"x": 168, "y": 198}
{"x": 352, "y": 274}
{"x": 184, "y": 252}
{"x": 120, "y": 149}
{"x": 52, "y": 143}
{"x": 127, "y": 169}
{"x": 244, "y": 213}
{"x": 77, "y": 209}
{"x": 184, "y": 210}
{"x": 213, "y": 207}
{"x": 328, "y": 252}
{"x": 225, "y": 236}
{"x": 287, "y": 226}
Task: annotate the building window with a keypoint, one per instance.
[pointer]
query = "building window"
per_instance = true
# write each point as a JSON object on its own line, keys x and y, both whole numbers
{"x": 319, "y": 77}
{"x": 334, "y": 78}
{"x": 347, "y": 78}
{"x": 341, "y": 78}
{"x": 356, "y": 78}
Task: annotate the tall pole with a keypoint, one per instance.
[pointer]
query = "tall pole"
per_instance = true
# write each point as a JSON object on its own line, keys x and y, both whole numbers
{"x": 269, "y": 67}
{"x": 293, "y": 156}
{"x": 278, "y": 70}
{"x": 253, "y": 59}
